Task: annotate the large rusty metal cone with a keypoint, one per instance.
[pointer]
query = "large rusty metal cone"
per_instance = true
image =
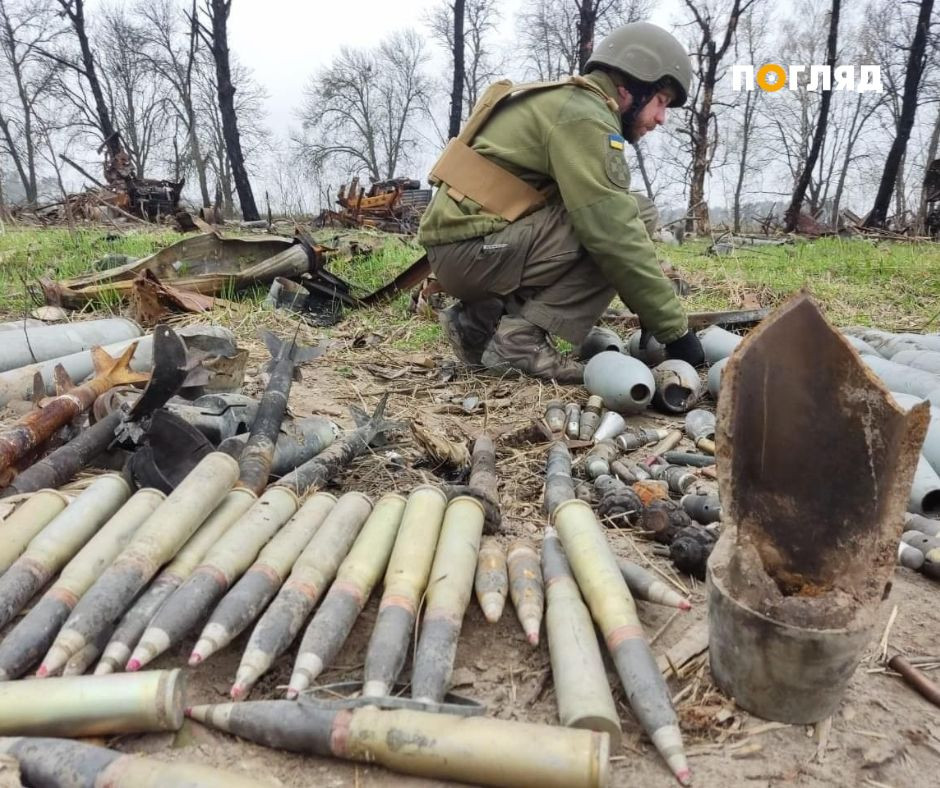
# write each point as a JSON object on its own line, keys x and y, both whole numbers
{"x": 815, "y": 462}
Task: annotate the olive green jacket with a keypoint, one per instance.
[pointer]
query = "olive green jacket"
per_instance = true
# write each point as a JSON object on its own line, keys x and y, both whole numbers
{"x": 568, "y": 139}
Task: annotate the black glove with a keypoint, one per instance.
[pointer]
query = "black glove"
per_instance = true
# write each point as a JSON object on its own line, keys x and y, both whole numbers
{"x": 687, "y": 348}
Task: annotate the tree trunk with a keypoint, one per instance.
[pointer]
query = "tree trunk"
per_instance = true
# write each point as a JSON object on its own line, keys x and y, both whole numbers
{"x": 915, "y": 70}
{"x": 456, "y": 91}
{"x": 641, "y": 164}
{"x": 699, "y": 220}
{"x": 931, "y": 155}
{"x": 587, "y": 20}
{"x": 218, "y": 13}
{"x": 792, "y": 215}
{"x": 742, "y": 167}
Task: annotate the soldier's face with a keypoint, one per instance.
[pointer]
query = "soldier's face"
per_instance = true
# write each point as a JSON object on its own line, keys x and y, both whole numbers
{"x": 651, "y": 116}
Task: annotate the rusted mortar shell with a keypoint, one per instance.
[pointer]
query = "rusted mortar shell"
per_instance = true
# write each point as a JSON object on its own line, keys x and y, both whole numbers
{"x": 72, "y": 764}
{"x": 634, "y": 439}
{"x": 313, "y": 572}
{"x": 573, "y": 420}
{"x": 57, "y": 467}
{"x": 703, "y": 509}
{"x": 910, "y": 557}
{"x": 491, "y": 582}
{"x": 678, "y": 386}
{"x": 30, "y": 638}
{"x": 718, "y": 343}
{"x": 298, "y": 441}
{"x": 906, "y": 380}
{"x": 597, "y": 462}
{"x": 21, "y": 348}
{"x": 924, "y": 497}
{"x": 924, "y": 360}
{"x": 555, "y": 416}
{"x": 646, "y": 586}
{"x": 153, "y": 544}
{"x": 30, "y": 517}
{"x": 356, "y": 577}
{"x": 590, "y": 418}
{"x": 789, "y": 617}
{"x": 559, "y": 486}
{"x": 608, "y": 598}
{"x": 611, "y": 425}
{"x": 714, "y": 377}
{"x": 93, "y": 706}
{"x": 931, "y": 447}
{"x": 625, "y": 384}
{"x": 118, "y": 649}
{"x": 450, "y": 586}
{"x": 654, "y": 353}
{"x": 250, "y": 595}
{"x": 225, "y": 561}
{"x": 678, "y": 478}
{"x": 597, "y": 341}
{"x": 58, "y": 542}
{"x": 581, "y": 689}
{"x": 917, "y": 522}
{"x": 525, "y": 587}
{"x": 478, "y": 750}
{"x": 700, "y": 427}
{"x": 405, "y": 580}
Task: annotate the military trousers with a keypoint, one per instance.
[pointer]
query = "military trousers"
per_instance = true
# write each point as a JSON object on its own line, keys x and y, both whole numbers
{"x": 537, "y": 267}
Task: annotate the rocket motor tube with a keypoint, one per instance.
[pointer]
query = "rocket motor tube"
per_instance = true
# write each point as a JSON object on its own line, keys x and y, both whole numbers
{"x": 313, "y": 572}
{"x": 405, "y": 581}
{"x": 479, "y": 750}
{"x": 450, "y": 587}
{"x": 356, "y": 577}
{"x": 49, "y": 341}
{"x": 93, "y": 705}
{"x": 30, "y": 517}
{"x": 32, "y": 635}
{"x": 118, "y": 650}
{"x": 245, "y": 601}
{"x": 612, "y": 607}
{"x": 59, "y": 541}
{"x": 157, "y": 540}
{"x": 581, "y": 689}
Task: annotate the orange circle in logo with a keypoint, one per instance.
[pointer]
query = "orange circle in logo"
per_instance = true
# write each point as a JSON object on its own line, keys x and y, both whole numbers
{"x": 766, "y": 70}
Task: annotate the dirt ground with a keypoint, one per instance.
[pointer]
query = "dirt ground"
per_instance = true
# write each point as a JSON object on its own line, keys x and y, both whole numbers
{"x": 883, "y": 734}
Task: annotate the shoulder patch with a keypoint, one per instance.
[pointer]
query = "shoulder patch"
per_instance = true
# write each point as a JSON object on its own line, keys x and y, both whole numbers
{"x": 615, "y": 141}
{"x": 615, "y": 165}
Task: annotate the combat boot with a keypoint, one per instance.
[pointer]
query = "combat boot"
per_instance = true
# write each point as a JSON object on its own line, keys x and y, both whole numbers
{"x": 523, "y": 347}
{"x": 469, "y": 326}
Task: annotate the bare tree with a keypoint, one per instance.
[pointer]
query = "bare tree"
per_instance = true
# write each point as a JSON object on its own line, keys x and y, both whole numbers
{"x": 361, "y": 111}
{"x": 24, "y": 29}
{"x": 459, "y": 76}
{"x": 916, "y": 62}
{"x": 714, "y": 27}
{"x": 216, "y": 39}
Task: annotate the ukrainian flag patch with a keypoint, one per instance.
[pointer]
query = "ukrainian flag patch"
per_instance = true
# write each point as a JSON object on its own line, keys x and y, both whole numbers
{"x": 615, "y": 141}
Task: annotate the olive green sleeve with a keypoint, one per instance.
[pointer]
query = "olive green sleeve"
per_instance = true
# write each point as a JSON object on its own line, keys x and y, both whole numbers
{"x": 606, "y": 220}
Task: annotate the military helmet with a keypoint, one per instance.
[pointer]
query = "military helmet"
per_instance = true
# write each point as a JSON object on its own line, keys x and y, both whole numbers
{"x": 648, "y": 53}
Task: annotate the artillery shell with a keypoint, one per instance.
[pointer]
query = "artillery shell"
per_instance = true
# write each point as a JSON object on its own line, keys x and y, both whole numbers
{"x": 555, "y": 416}
{"x": 227, "y": 559}
{"x": 590, "y": 417}
{"x": 450, "y": 586}
{"x": 405, "y": 581}
{"x": 669, "y": 442}
{"x": 250, "y": 595}
{"x": 30, "y": 517}
{"x": 59, "y": 541}
{"x": 72, "y": 764}
{"x": 610, "y": 426}
{"x": 559, "y": 485}
{"x": 581, "y": 688}
{"x": 612, "y": 608}
{"x": 598, "y": 460}
{"x": 93, "y": 706}
{"x": 79, "y": 663}
{"x": 525, "y": 587}
{"x": 646, "y": 586}
{"x": 910, "y": 557}
{"x": 917, "y": 522}
{"x": 638, "y": 438}
{"x": 154, "y": 544}
{"x": 491, "y": 583}
{"x": 703, "y": 509}
{"x": 118, "y": 650}
{"x": 479, "y": 750}
{"x": 573, "y": 420}
{"x": 30, "y": 638}
{"x": 355, "y": 579}
{"x": 312, "y": 573}
{"x": 677, "y": 477}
